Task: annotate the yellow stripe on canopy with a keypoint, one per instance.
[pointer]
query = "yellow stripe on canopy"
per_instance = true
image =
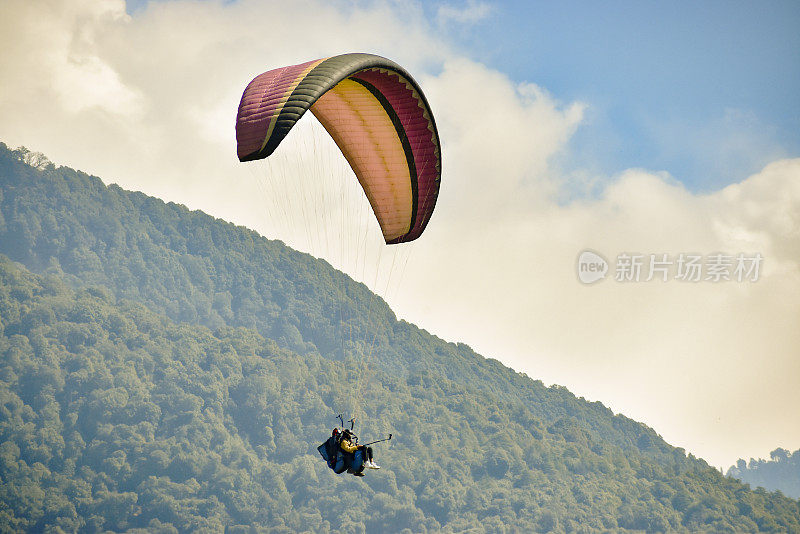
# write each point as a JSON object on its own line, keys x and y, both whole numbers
{"x": 364, "y": 132}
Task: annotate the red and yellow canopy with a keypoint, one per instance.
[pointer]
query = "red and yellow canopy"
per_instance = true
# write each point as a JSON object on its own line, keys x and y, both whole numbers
{"x": 376, "y": 114}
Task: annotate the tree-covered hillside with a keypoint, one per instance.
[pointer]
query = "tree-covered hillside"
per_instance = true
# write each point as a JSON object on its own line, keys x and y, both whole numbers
{"x": 200, "y": 270}
{"x": 780, "y": 472}
{"x": 162, "y": 370}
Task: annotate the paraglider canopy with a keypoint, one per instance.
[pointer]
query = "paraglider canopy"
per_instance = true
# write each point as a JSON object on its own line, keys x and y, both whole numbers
{"x": 377, "y": 115}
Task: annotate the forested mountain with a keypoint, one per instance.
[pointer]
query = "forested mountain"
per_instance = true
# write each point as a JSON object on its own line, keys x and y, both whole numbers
{"x": 165, "y": 370}
{"x": 780, "y": 472}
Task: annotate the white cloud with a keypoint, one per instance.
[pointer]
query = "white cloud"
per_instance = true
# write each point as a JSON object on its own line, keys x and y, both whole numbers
{"x": 706, "y": 364}
{"x": 148, "y": 101}
{"x": 470, "y": 13}
{"x": 50, "y": 50}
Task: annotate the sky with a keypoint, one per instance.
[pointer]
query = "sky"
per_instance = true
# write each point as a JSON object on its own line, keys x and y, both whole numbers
{"x": 681, "y": 86}
{"x": 633, "y": 130}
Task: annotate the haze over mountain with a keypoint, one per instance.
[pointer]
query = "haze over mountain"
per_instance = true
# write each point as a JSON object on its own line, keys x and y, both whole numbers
{"x": 165, "y": 370}
{"x": 780, "y": 472}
